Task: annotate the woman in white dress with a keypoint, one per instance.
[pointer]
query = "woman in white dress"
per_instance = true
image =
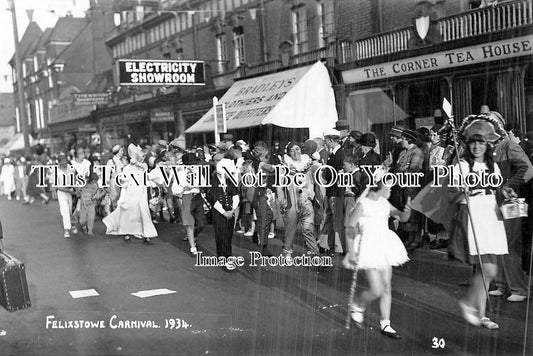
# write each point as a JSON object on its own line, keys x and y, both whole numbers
{"x": 378, "y": 250}
{"x": 488, "y": 225}
{"x": 7, "y": 176}
{"x": 132, "y": 215}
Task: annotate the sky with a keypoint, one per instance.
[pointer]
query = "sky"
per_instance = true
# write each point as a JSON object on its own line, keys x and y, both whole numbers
{"x": 45, "y": 13}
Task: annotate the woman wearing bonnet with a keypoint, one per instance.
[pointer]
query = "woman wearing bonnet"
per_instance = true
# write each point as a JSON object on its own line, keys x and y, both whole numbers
{"x": 297, "y": 202}
{"x": 132, "y": 215}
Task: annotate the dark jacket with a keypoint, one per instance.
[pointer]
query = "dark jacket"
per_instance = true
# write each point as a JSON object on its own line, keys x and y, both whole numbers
{"x": 335, "y": 161}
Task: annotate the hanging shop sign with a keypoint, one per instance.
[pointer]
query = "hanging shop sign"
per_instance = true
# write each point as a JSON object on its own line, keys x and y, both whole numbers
{"x": 487, "y": 52}
{"x": 160, "y": 115}
{"x": 160, "y": 72}
{"x": 91, "y": 99}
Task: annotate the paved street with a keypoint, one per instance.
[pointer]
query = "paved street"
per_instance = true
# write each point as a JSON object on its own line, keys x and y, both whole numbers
{"x": 251, "y": 311}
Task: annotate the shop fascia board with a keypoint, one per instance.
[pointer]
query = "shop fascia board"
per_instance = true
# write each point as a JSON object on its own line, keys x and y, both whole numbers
{"x": 443, "y": 46}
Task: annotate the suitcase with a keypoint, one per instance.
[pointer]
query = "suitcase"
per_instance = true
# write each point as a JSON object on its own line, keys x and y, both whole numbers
{"x": 13, "y": 285}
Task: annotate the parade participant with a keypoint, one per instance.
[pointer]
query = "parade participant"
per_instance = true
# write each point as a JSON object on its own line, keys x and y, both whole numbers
{"x": 64, "y": 194}
{"x": 436, "y": 158}
{"x": 351, "y": 194}
{"x": 33, "y": 190}
{"x": 370, "y": 157}
{"x": 21, "y": 179}
{"x": 224, "y": 198}
{"x": 132, "y": 216}
{"x": 410, "y": 161}
{"x": 191, "y": 207}
{"x": 7, "y": 177}
{"x": 118, "y": 165}
{"x": 80, "y": 163}
{"x": 379, "y": 250}
{"x": 488, "y": 229}
{"x": 516, "y": 171}
{"x": 297, "y": 202}
{"x": 264, "y": 202}
{"x": 334, "y": 221}
{"x": 88, "y": 204}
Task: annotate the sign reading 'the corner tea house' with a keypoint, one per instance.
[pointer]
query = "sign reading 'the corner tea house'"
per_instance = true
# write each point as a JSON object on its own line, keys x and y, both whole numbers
{"x": 160, "y": 72}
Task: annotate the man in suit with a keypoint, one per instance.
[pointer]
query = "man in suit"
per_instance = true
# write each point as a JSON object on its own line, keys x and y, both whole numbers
{"x": 334, "y": 195}
{"x": 344, "y": 133}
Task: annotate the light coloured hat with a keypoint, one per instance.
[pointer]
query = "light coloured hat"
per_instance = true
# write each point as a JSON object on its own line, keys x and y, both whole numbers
{"x": 115, "y": 149}
{"x": 179, "y": 142}
{"x": 332, "y": 132}
{"x": 135, "y": 153}
{"x": 228, "y": 164}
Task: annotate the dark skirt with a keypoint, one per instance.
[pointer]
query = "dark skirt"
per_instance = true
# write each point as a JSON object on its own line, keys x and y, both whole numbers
{"x": 458, "y": 247}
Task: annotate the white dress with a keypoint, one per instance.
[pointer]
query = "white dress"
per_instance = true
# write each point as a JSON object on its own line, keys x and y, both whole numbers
{"x": 7, "y": 177}
{"x": 380, "y": 246}
{"x": 132, "y": 215}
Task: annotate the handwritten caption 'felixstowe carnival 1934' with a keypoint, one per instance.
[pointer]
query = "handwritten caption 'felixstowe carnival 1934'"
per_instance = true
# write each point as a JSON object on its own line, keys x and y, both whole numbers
{"x": 116, "y": 322}
{"x": 199, "y": 176}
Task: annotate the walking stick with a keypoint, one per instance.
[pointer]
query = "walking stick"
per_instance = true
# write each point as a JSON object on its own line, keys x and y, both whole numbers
{"x": 467, "y": 199}
{"x": 354, "y": 283}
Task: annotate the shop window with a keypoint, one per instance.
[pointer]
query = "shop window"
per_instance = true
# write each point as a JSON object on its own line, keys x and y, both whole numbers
{"x": 299, "y": 28}
{"x": 239, "y": 46}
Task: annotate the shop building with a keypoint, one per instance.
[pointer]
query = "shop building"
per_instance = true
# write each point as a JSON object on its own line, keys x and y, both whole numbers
{"x": 472, "y": 56}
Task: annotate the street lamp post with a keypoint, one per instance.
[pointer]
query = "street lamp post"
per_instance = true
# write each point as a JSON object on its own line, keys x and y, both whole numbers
{"x": 20, "y": 84}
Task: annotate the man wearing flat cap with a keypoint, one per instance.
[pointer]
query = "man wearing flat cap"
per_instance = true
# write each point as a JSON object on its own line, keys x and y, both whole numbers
{"x": 334, "y": 221}
{"x": 395, "y": 136}
{"x": 411, "y": 160}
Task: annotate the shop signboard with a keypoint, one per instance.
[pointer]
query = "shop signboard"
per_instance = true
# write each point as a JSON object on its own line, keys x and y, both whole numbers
{"x": 160, "y": 72}
{"x": 81, "y": 99}
{"x": 481, "y": 53}
{"x": 161, "y": 115}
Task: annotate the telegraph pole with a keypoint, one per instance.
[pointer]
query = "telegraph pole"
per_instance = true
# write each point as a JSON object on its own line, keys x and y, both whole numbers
{"x": 20, "y": 83}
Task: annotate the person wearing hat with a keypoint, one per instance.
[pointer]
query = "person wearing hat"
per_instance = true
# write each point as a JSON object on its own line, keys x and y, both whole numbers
{"x": 226, "y": 142}
{"x": 321, "y": 150}
{"x": 344, "y": 131}
{"x": 395, "y": 136}
{"x": 224, "y": 198}
{"x": 370, "y": 157}
{"x": 411, "y": 160}
{"x": 517, "y": 171}
{"x": 132, "y": 215}
{"x": 64, "y": 194}
{"x": 357, "y": 151}
{"x": 334, "y": 221}
{"x": 117, "y": 164}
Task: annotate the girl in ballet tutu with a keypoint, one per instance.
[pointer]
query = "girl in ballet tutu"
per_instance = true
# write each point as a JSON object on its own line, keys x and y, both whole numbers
{"x": 376, "y": 252}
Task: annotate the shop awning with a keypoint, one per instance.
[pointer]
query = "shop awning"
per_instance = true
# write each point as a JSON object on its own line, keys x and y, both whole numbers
{"x": 296, "y": 98}
{"x": 16, "y": 144}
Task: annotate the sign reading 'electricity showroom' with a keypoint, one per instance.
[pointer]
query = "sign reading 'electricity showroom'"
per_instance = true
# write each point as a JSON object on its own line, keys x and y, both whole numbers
{"x": 160, "y": 72}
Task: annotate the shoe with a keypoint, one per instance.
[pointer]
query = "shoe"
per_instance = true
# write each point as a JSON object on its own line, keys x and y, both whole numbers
{"x": 288, "y": 256}
{"x": 230, "y": 266}
{"x": 66, "y": 234}
{"x": 390, "y": 332}
{"x": 271, "y": 235}
{"x": 516, "y": 298}
{"x": 470, "y": 314}
{"x": 496, "y": 292}
{"x": 127, "y": 238}
{"x": 74, "y": 230}
{"x": 357, "y": 314}
{"x": 466, "y": 283}
{"x": 489, "y": 324}
{"x": 240, "y": 231}
{"x": 193, "y": 251}
{"x": 248, "y": 234}
{"x": 266, "y": 252}
{"x": 148, "y": 241}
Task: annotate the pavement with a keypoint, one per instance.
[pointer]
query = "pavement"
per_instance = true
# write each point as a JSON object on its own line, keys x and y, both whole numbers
{"x": 250, "y": 311}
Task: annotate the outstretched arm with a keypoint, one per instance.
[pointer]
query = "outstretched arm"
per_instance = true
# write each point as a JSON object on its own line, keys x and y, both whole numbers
{"x": 404, "y": 215}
